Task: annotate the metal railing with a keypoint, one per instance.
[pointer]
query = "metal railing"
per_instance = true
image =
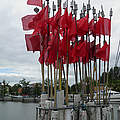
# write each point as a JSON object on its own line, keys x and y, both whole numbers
{"x": 76, "y": 112}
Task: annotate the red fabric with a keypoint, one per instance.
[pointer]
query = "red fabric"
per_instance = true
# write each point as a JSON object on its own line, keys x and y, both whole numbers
{"x": 35, "y": 2}
{"x": 40, "y": 21}
{"x": 64, "y": 20}
{"x": 92, "y": 26}
{"x": 64, "y": 43}
{"x": 70, "y": 20}
{"x": 82, "y": 26}
{"x": 52, "y": 48}
{"x": 55, "y": 21}
{"x": 72, "y": 31}
{"x": 27, "y": 22}
{"x": 80, "y": 50}
{"x": 105, "y": 26}
{"x": 32, "y": 42}
{"x": 103, "y": 53}
{"x": 41, "y": 58}
{"x": 102, "y": 27}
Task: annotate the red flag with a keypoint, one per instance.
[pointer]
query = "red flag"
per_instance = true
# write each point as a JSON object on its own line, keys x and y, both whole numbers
{"x": 32, "y": 42}
{"x": 82, "y": 26}
{"x": 105, "y": 26}
{"x": 73, "y": 30}
{"x": 64, "y": 43}
{"x": 80, "y": 51}
{"x": 40, "y": 21}
{"x": 102, "y": 27}
{"x": 92, "y": 26}
{"x": 55, "y": 21}
{"x": 52, "y": 48}
{"x": 103, "y": 53}
{"x": 64, "y": 20}
{"x": 41, "y": 58}
{"x": 35, "y": 2}
{"x": 27, "y": 22}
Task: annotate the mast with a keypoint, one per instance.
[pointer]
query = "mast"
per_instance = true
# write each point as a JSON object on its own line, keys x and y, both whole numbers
{"x": 111, "y": 14}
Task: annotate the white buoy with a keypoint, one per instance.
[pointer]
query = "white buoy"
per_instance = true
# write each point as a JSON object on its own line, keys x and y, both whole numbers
{"x": 54, "y": 115}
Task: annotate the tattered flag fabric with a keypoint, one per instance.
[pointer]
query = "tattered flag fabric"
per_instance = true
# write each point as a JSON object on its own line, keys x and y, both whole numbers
{"x": 82, "y": 26}
{"x": 27, "y": 22}
{"x": 101, "y": 27}
{"x": 103, "y": 53}
{"x": 35, "y": 2}
{"x": 32, "y": 42}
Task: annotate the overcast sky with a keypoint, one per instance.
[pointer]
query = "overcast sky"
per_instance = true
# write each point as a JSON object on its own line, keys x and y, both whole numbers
{"x": 15, "y": 61}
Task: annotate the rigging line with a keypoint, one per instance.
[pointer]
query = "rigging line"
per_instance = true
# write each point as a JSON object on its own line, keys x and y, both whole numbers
{"x": 117, "y": 51}
{"x": 117, "y": 55}
{"x": 118, "y": 58}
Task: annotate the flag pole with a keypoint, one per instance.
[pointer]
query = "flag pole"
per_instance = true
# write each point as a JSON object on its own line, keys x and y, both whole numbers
{"x": 96, "y": 67}
{"x": 103, "y": 15}
{"x": 89, "y": 64}
{"x": 95, "y": 60}
{"x": 48, "y": 51}
{"x": 60, "y": 63}
{"x": 76, "y": 71}
{"x": 111, "y": 14}
{"x": 51, "y": 93}
{"x": 67, "y": 66}
{"x": 72, "y": 6}
{"x": 55, "y": 83}
{"x": 42, "y": 65}
{"x": 60, "y": 75}
{"x": 51, "y": 89}
{"x": 82, "y": 81}
{"x": 85, "y": 89}
{"x": 99, "y": 62}
{"x": 59, "y": 59}
{"x": 87, "y": 36}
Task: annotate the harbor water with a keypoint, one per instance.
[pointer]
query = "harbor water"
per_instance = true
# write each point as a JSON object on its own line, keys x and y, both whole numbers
{"x": 17, "y": 111}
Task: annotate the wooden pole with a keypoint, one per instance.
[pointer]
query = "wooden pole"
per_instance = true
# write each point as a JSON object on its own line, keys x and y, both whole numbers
{"x": 48, "y": 82}
{"x": 103, "y": 15}
{"x": 89, "y": 63}
{"x": 99, "y": 69}
{"x": 60, "y": 75}
{"x": 96, "y": 66}
{"x": 76, "y": 67}
{"x": 59, "y": 61}
{"x": 48, "y": 51}
{"x": 51, "y": 93}
{"x": 87, "y": 37}
{"x": 111, "y": 13}
{"x": 55, "y": 85}
{"x": 51, "y": 90}
{"x": 67, "y": 67}
{"x": 42, "y": 65}
{"x": 99, "y": 63}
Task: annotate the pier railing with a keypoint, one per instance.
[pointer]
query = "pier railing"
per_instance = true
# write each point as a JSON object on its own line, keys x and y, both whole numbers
{"x": 81, "y": 112}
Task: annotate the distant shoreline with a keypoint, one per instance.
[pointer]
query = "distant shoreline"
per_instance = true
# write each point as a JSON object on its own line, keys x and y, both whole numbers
{"x": 22, "y": 99}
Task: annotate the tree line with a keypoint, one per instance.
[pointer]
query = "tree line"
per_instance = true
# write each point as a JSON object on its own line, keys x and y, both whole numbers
{"x": 25, "y": 88}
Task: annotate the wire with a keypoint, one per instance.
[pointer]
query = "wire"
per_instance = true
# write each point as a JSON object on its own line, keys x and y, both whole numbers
{"x": 117, "y": 55}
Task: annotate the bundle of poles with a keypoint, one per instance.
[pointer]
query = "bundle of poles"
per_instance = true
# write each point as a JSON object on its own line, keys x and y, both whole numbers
{"x": 67, "y": 39}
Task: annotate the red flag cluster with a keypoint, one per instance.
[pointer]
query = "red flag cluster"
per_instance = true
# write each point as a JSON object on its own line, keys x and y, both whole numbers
{"x": 54, "y": 35}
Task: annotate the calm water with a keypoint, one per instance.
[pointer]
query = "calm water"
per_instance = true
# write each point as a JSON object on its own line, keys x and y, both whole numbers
{"x": 17, "y": 111}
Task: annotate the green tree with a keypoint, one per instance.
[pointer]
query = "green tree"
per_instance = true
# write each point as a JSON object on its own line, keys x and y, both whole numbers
{"x": 37, "y": 89}
{"x": 25, "y": 86}
{"x": 14, "y": 89}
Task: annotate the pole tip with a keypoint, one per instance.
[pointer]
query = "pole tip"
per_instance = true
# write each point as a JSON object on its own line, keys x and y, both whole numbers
{"x": 111, "y": 12}
{"x": 36, "y": 10}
